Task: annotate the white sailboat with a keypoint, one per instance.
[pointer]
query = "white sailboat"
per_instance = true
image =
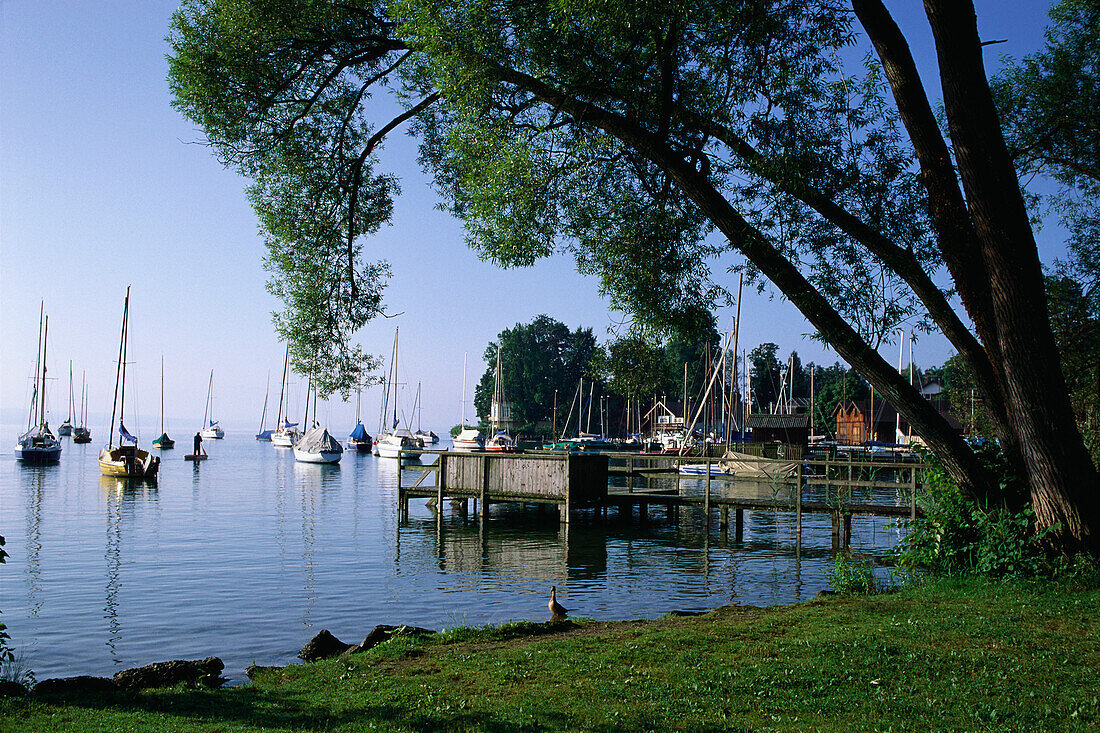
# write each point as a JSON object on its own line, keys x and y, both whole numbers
{"x": 392, "y": 442}
{"x": 316, "y": 445}
{"x": 125, "y": 461}
{"x": 38, "y": 445}
{"x": 286, "y": 432}
{"x": 426, "y": 437}
{"x": 499, "y": 439}
{"x": 468, "y": 439}
{"x": 210, "y": 427}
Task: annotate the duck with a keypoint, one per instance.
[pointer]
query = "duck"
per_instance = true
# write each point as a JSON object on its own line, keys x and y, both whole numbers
{"x": 559, "y": 611}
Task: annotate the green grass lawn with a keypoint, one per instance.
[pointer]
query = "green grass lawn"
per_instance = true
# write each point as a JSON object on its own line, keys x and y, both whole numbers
{"x": 952, "y": 655}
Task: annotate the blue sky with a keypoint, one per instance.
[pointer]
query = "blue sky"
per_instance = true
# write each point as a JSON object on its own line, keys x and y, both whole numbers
{"x": 103, "y": 184}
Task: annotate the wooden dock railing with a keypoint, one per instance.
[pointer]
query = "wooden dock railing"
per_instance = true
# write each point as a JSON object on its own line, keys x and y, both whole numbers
{"x": 629, "y": 480}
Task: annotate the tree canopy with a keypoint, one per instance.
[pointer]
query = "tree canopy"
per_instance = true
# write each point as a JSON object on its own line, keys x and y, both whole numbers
{"x": 650, "y": 142}
{"x": 537, "y": 360}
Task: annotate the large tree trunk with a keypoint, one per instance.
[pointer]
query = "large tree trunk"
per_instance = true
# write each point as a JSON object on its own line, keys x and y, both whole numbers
{"x": 989, "y": 247}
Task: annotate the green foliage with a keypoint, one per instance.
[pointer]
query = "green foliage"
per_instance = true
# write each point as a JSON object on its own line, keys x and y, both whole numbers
{"x": 835, "y": 385}
{"x": 537, "y": 359}
{"x": 852, "y": 576}
{"x": 1047, "y": 102}
{"x": 1075, "y": 322}
{"x": 958, "y": 534}
{"x": 265, "y": 80}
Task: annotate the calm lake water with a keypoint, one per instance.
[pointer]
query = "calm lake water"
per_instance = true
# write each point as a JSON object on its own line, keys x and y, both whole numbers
{"x": 250, "y": 554}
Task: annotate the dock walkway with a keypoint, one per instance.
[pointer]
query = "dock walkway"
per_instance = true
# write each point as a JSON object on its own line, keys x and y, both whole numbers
{"x": 841, "y": 488}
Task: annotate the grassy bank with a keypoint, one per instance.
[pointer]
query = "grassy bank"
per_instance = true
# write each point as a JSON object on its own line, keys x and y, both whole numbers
{"x": 952, "y": 655}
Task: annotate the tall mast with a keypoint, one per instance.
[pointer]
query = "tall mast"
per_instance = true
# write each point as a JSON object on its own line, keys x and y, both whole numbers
{"x": 282, "y": 389}
{"x": 394, "y": 380}
{"x": 462, "y": 402}
{"x": 42, "y": 391}
{"x": 267, "y": 390}
{"x": 83, "y": 399}
{"x": 125, "y": 355}
{"x": 70, "y": 418}
{"x": 118, "y": 369}
{"x": 33, "y": 412}
{"x": 209, "y": 390}
{"x": 162, "y": 394}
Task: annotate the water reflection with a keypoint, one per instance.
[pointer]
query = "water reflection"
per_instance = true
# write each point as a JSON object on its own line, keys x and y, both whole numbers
{"x": 120, "y": 496}
{"x": 33, "y": 485}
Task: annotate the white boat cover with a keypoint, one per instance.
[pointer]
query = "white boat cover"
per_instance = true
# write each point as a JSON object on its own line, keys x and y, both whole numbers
{"x": 318, "y": 440}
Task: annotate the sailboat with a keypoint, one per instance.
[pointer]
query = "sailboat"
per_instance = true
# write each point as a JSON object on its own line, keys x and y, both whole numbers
{"x": 499, "y": 440}
{"x": 163, "y": 442}
{"x": 316, "y": 444}
{"x": 286, "y": 433}
{"x": 468, "y": 439}
{"x": 392, "y": 442}
{"x": 38, "y": 445}
{"x": 265, "y": 434}
{"x": 426, "y": 437}
{"x": 358, "y": 440}
{"x": 125, "y": 461}
{"x": 81, "y": 434}
{"x": 210, "y": 427}
{"x": 66, "y": 428}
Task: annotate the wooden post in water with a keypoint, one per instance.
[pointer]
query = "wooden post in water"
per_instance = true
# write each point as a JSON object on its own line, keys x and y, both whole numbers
{"x": 798, "y": 504}
{"x": 724, "y": 517}
{"x": 739, "y": 529}
{"x": 630, "y": 474}
{"x": 484, "y": 488}
{"x": 836, "y": 529}
{"x": 847, "y": 530}
{"x": 706, "y": 501}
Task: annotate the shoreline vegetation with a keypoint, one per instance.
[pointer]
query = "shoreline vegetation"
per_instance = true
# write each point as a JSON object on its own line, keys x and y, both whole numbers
{"x": 949, "y": 654}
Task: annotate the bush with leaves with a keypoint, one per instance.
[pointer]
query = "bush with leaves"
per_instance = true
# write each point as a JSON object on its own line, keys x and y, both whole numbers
{"x": 959, "y": 534}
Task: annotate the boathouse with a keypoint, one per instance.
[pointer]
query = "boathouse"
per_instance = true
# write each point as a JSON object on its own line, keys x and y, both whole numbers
{"x": 790, "y": 429}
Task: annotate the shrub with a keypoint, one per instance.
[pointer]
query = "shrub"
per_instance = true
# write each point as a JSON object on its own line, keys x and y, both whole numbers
{"x": 961, "y": 534}
{"x": 854, "y": 577}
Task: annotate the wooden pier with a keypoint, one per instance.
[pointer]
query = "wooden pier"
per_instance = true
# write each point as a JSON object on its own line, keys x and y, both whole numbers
{"x": 629, "y": 481}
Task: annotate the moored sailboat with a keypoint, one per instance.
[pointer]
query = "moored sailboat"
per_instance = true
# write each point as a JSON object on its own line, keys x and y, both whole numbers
{"x": 38, "y": 445}
{"x": 210, "y": 427}
{"x": 66, "y": 428}
{"x": 499, "y": 439}
{"x": 163, "y": 442}
{"x": 265, "y": 434}
{"x": 125, "y": 461}
{"x": 316, "y": 444}
{"x": 468, "y": 439}
{"x": 286, "y": 432}
{"x": 81, "y": 433}
{"x": 359, "y": 440}
{"x": 392, "y": 442}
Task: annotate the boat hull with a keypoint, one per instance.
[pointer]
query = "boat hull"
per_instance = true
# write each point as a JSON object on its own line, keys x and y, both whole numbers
{"x": 360, "y": 446}
{"x": 38, "y": 455}
{"x": 323, "y": 457}
{"x": 214, "y": 433}
{"x": 466, "y": 446}
{"x": 64, "y": 429}
{"x": 128, "y": 462}
{"x": 82, "y": 435}
{"x": 165, "y": 444}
